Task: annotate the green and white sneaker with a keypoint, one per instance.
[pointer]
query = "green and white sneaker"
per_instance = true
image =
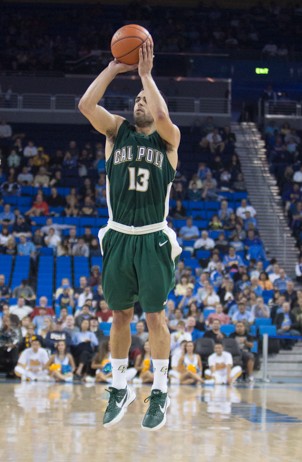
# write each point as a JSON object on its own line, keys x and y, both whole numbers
{"x": 155, "y": 417}
{"x": 119, "y": 400}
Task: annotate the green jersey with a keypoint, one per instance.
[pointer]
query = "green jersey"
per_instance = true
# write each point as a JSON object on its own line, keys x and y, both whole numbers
{"x": 139, "y": 178}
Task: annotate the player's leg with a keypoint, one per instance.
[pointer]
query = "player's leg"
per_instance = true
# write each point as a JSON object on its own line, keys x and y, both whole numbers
{"x": 155, "y": 268}
{"x": 120, "y": 288}
{"x": 235, "y": 373}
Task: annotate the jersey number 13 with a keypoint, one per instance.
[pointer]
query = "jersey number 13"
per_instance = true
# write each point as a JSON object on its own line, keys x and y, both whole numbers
{"x": 138, "y": 181}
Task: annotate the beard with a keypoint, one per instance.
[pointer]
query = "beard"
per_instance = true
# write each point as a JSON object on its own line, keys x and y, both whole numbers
{"x": 142, "y": 120}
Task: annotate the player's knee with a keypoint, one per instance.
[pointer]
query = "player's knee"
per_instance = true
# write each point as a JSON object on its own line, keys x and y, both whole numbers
{"x": 155, "y": 321}
{"x": 120, "y": 318}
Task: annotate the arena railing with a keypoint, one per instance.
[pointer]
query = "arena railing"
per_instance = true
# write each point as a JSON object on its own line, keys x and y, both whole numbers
{"x": 69, "y": 103}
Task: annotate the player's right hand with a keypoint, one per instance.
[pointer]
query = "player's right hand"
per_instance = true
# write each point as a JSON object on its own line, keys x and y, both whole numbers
{"x": 120, "y": 68}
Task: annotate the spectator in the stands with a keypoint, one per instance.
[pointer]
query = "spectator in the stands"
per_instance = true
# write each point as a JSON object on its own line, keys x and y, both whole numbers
{"x": 214, "y": 261}
{"x": 210, "y": 298}
{"x": 265, "y": 282}
{"x": 70, "y": 326}
{"x": 243, "y": 208}
{"x": 40, "y": 207}
{"x": 20, "y": 309}
{"x": 239, "y": 183}
{"x": 245, "y": 342}
{"x": 178, "y": 316}
{"x": 43, "y": 302}
{"x": 57, "y": 180}
{"x": 209, "y": 188}
{"x": 88, "y": 236}
{"x": 94, "y": 326}
{"x": 88, "y": 208}
{"x": 192, "y": 329}
{"x": 141, "y": 331}
{"x": 260, "y": 310}
{"x": 21, "y": 227}
{"x": 52, "y": 239}
{"x": 13, "y": 160}
{"x": 26, "y": 247}
{"x": 5, "y": 290}
{"x": 94, "y": 249}
{"x": 80, "y": 249}
{"x": 297, "y": 311}
{"x": 237, "y": 243}
{"x": 249, "y": 222}
{"x": 55, "y": 335}
{"x": 25, "y": 177}
{"x": 25, "y": 291}
{"x": 219, "y": 314}
{"x": 41, "y": 159}
{"x": 179, "y": 336}
{"x": 214, "y": 332}
{"x": 84, "y": 312}
{"x": 232, "y": 259}
{"x": 194, "y": 193}
{"x": 41, "y": 179}
{"x": 215, "y": 223}
{"x": 103, "y": 313}
{"x": 187, "y": 299}
{"x": 95, "y": 277}
{"x": 298, "y": 269}
{"x": 221, "y": 244}
{"x": 85, "y": 342}
{"x": 203, "y": 170}
{"x": 280, "y": 283}
{"x": 10, "y": 338}
{"x": 30, "y": 149}
{"x": 256, "y": 287}
{"x": 39, "y": 320}
{"x": 225, "y": 211}
{"x": 182, "y": 285}
{"x": 55, "y": 199}
{"x": 286, "y": 323}
{"x": 243, "y": 315}
{"x": 291, "y": 294}
{"x": 86, "y": 295}
{"x": 204, "y": 242}
{"x": 7, "y": 217}
{"x": 178, "y": 211}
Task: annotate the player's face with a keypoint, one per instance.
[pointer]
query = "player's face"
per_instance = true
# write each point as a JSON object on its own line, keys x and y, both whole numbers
{"x": 142, "y": 115}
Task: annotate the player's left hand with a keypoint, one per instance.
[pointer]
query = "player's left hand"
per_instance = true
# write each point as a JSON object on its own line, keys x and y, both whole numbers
{"x": 146, "y": 58}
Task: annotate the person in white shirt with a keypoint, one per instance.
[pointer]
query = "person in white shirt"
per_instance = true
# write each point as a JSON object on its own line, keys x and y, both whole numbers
{"x": 30, "y": 150}
{"x": 210, "y": 298}
{"x": 5, "y": 130}
{"x": 32, "y": 362}
{"x": 52, "y": 239}
{"x": 241, "y": 211}
{"x": 297, "y": 178}
{"x": 204, "y": 242}
{"x": 21, "y": 310}
{"x": 221, "y": 367}
{"x": 176, "y": 340}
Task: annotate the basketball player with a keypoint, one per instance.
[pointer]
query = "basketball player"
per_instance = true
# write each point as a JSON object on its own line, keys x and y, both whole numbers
{"x": 139, "y": 250}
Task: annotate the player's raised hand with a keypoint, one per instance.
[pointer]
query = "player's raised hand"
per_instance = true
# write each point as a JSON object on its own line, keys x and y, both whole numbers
{"x": 146, "y": 58}
{"x": 120, "y": 68}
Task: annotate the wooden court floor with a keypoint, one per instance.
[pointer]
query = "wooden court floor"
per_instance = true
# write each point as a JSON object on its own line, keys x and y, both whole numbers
{"x": 43, "y": 422}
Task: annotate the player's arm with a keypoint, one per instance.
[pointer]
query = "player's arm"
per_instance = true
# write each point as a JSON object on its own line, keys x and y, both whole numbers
{"x": 156, "y": 103}
{"x": 102, "y": 120}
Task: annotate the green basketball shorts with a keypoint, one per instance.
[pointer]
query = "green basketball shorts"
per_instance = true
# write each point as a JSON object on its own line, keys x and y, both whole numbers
{"x": 138, "y": 268}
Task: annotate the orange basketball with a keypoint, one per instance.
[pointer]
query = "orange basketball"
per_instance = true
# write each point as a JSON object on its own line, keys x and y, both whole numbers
{"x": 126, "y": 42}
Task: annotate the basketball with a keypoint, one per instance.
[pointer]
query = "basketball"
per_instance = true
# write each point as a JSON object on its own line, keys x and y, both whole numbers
{"x": 126, "y": 42}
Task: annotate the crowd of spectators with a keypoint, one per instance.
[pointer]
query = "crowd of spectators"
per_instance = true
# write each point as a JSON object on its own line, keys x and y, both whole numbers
{"x": 284, "y": 153}
{"x": 41, "y": 39}
{"x": 223, "y": 277}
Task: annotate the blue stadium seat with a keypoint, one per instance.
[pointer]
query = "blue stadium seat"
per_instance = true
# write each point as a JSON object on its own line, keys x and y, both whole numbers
{"x": 267, "y": 295}
{"x": 185, "y": 254}
{"x": 191, "y": 262}
{"x": 179, "y": 223}
{"x": 207, "y": 312}
{"x": 227, "y": 329}
{"x": 21, "y": 270}
{"x": 212, "y": 205}
{"x": 6, "y": 262}
{"x": 263, "y": 322}
{"x": 196, "y": 205}
{"x": 270, "y": 330}
{"x": 46, "y": 251}
{"x": 202, "y": 254}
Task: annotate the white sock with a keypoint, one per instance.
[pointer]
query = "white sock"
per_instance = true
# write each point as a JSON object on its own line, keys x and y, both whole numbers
{"x": 160, "y": 368}
{"x": 119, "y": 377}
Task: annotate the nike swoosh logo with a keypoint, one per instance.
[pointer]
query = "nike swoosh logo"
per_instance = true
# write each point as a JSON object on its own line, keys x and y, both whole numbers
{"x": 120, "y": 404}
{"x": 162, "y": 243}
{"x": 163, "y": 409}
